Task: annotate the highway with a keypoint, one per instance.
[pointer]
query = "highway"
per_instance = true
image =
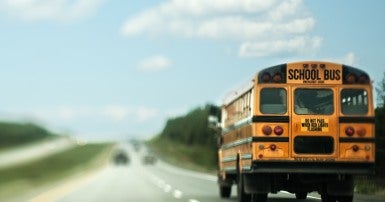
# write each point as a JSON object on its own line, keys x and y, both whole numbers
{"x": 138, "y": 182}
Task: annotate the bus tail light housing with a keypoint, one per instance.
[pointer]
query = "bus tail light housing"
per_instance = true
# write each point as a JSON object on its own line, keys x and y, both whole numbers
{"x": 361, "y": 131}
{"x": 355, "y": 148}
{"x": 349, "y": 131}
{"x": 267, "y": 130}
{"x": 278, "y": 130}
{"x": 273, "y": 147}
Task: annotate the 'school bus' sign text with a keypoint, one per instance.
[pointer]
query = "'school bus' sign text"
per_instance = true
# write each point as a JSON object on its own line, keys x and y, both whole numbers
{"x": 314, "y": 74}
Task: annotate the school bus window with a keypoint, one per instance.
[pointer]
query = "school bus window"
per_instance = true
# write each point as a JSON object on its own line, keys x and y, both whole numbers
{"x": 273, "y": 101}
{"x": 313, "y": 101}
{"x": 354, "y": 101}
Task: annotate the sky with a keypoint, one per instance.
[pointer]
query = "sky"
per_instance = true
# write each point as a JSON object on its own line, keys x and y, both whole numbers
{"x": 104, "y": 69}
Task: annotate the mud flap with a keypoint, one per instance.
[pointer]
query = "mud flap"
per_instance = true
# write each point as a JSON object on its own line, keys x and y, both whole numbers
{"x": 257, "y": 183}
{"x": 344, "y": 187}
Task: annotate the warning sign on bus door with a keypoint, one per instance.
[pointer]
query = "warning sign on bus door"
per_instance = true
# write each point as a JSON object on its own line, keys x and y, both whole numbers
{"x": 314, "y": 125}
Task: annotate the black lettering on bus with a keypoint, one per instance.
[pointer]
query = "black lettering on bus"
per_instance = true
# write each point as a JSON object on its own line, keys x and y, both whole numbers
{"x": 304, "y": 74}
{"x": 332, "y": 74}
{"x": 291, "y": 76}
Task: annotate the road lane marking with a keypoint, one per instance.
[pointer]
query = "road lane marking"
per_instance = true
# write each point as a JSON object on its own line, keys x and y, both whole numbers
{"x": 312, "y": 197}
{"x": 193, "y": 200}
{"x": 167, "y": 188}
{"x": 177, "y": 194}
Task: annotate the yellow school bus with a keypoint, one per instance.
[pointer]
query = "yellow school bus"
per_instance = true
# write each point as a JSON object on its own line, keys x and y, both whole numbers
{"x": 298, "y": 127}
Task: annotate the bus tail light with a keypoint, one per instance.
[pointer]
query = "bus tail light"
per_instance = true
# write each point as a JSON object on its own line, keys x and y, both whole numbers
{"x": 266, "y": 77}
{"x": 361, "y": 131}
{"x": 278, "y": 130}
{"x": 277, "y": 78}
{"x": 355, "y": 148}
{"x": 350, "y": 78}
{"x": 267, "y": 130}
{"x": 273, "y": 147}
{"x": 363, "y": 79}
{"x": 349, "y": 131}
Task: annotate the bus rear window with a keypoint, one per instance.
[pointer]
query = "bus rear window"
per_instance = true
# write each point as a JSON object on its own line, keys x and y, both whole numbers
{"x": 354, "y": 102}
{"x": 313, "y": 101}
{"x": 273, "y": 101}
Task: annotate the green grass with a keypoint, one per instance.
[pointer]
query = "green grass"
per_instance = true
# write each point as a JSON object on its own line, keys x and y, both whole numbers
{"x": 195, "y": 157}
{"x": 372, "y": 185}
{"x": 23, "y": 177}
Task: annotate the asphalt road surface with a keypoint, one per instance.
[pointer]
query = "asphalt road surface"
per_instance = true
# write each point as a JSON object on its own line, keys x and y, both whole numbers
{"x": 153, "y": 183}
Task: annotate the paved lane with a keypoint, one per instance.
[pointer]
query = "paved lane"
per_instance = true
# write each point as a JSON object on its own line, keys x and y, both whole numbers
{"x": 137, "y": 182}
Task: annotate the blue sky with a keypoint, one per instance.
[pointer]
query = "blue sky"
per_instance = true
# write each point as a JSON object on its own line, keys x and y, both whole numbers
{"x": 103, "y": 69}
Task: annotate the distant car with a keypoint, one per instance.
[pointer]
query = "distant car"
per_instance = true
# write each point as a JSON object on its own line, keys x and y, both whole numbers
{"x": 149, "y": 159}
{"x": 121, "y": 157}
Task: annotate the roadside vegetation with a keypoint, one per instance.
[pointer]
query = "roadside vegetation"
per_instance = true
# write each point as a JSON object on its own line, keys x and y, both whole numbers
{"x": 187, "y": 141}
{"x": 81, "y": 158}
{"x": 16, "y": 134}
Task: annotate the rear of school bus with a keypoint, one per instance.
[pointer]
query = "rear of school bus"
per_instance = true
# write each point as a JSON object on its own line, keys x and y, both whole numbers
{"x": 312, "y": 130}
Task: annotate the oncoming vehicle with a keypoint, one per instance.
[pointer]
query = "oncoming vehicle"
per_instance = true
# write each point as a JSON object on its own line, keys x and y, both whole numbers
{"x": 299, "y": 127}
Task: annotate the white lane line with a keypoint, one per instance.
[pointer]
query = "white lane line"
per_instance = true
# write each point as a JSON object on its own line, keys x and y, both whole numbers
{"x": 313, "y": 197}
{"x": 167, "y": 188}
{"x": 193, "y": 200}
{"x": 177, "y": 194}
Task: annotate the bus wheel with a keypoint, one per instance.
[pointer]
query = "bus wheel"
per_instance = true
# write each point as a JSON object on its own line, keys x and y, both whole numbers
{"x": 224, "y": 191}
{"x": 328, "y": 198}
{"x": 345, "y": 198}
{"x": 301, "y": 195}
{"x": 242, "y": 195}
{"x": 260, "y": 197}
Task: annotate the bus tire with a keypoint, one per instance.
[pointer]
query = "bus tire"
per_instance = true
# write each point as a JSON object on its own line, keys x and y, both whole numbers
{"x": 242, "y": 195}
{"x": 224, "y": 191}
{"x": 345, "y": 198}
{"x": 260, "y": 197}
{"x": 301, "y": 195}
{"x": 325, "y": 197}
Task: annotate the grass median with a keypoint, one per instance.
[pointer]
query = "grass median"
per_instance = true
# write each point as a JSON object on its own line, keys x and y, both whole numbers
{"x": 193, "y": 157}
{"x": 23, "y": 177}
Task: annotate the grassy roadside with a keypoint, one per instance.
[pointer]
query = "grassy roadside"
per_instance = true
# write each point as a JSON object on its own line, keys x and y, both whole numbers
{"x": 195, "y": 157}
{"x": 21, "y": 178}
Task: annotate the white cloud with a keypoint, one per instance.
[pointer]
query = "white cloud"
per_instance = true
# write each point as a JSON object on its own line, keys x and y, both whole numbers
{"x": 245, "y": 21}
{"x": 154, "y": 64}
{"x": 50, "y": 10}
{"x": 116, "y": 113}
{"x": 347, "y": 59}
{"x": 145, "y": 113}
{"x": 279, "y": 47}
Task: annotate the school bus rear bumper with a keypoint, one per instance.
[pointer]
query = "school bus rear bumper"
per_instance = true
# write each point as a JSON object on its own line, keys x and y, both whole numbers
{"x": 313, "y": 167}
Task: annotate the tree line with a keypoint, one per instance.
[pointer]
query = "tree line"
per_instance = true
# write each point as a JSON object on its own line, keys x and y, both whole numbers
{"x": 191, "y": 129}
{"x": 12, "y": 134}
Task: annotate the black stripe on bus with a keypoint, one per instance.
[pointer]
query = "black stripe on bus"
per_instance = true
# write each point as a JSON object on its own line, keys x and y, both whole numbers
{"x": 354, "y": 119}
{"x": 274, "y": 119}
{"x": 254, "y": 139}
{"x": 357, "y": 140}
{"x": 270, "y": 139}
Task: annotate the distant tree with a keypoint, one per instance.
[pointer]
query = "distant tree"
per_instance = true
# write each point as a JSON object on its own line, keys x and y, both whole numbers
{"x": 380, "y": 88}
{"x": 191, "y": 129}
{"x": 380, "y": 127}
